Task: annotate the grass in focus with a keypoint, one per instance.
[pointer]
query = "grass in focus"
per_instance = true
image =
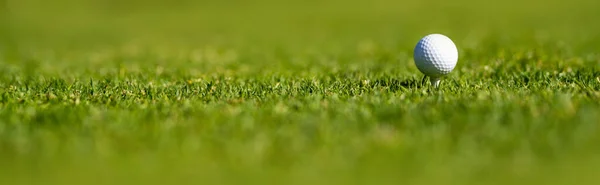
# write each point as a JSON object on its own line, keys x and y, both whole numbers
{"x": 296, "y": 93}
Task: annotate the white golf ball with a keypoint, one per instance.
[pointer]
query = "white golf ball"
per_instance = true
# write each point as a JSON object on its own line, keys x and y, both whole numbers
{"x": 435, "y": 55}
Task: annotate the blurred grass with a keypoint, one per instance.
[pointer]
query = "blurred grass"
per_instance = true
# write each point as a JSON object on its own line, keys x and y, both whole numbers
{"x": 287, "y": 21}
{"x": 296, "y": 92}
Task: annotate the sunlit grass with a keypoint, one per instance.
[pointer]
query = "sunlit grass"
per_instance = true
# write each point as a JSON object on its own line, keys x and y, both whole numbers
{"x": 296, "y": 93}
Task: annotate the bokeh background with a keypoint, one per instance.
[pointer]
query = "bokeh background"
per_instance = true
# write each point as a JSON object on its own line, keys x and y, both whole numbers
{"x": 255, "y": 34}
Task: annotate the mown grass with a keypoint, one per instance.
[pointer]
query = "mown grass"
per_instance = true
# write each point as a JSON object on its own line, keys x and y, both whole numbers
{"x": 297, "y": 93}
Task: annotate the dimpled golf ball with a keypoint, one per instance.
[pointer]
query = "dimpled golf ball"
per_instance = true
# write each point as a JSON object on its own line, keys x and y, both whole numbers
{"x": 435, "y": 55}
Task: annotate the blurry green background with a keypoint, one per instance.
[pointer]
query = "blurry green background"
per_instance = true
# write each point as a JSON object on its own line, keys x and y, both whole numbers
{"x": 261, "y": 36}
{"x": 292, "y": 27}
{"x": 51, "y": 50}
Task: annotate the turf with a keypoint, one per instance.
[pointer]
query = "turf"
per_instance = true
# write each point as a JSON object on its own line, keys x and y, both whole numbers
{"x": 297, "y": 92}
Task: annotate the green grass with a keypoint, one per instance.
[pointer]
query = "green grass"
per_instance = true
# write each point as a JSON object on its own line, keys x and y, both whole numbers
{"x": 144, "y": 92}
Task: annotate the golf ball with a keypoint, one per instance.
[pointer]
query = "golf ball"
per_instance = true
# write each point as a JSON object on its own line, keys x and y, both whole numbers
{"x": 435, "y": 55}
